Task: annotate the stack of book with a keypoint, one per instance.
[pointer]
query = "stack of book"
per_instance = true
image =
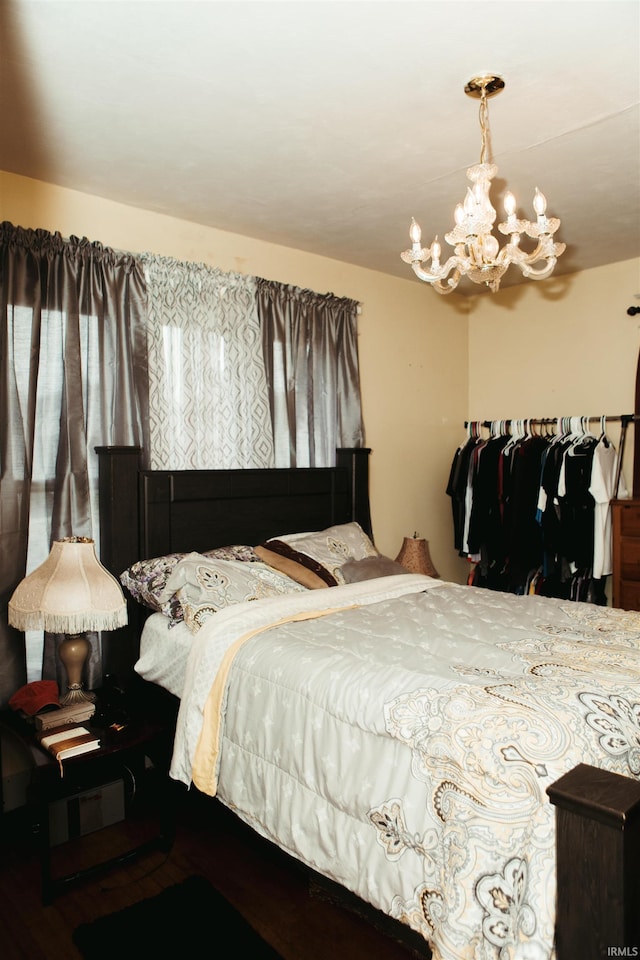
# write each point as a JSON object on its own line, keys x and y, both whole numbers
{"x": 68, "y": 741}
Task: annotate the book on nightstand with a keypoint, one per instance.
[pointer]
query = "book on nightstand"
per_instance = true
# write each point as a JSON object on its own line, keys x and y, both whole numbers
{"x": 65, "y": 742}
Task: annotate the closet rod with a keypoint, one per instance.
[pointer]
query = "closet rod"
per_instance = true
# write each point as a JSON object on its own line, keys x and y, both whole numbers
{"x": 618, "y": 418}
{"x": 624, "y": 418}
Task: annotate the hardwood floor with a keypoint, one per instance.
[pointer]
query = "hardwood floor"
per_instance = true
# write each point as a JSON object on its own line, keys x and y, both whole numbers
{"x": 270, "y": 889}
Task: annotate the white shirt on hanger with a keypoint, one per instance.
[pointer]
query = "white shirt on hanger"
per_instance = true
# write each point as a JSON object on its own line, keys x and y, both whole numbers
{"x": 603, "y": 478}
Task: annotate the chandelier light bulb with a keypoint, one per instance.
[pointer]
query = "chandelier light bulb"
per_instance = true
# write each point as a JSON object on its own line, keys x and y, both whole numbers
{"x": 539, "y": 203}
{"x": 476, "y": 251}
{"x": 491, "y": 246}
{"x": 509, "y": 203}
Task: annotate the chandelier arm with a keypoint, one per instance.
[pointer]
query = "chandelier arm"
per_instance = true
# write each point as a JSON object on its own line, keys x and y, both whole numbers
{"x": 444, "y": 288}
{"x": 544, "y": 250}
{"x": 541, "y": 274}
{"x": 456, "y": 264}
{"x": 506, "y": 257}
{"x": 423, "y": 274}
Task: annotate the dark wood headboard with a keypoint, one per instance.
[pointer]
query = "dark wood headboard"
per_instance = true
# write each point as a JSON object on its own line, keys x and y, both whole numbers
{"x": 149, "y": 513}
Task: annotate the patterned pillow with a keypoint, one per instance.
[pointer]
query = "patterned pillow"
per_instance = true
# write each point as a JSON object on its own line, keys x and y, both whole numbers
{"x": 204, "y": 585}
{"x": 146, "y": 579}
{"x": 315, "y": 559}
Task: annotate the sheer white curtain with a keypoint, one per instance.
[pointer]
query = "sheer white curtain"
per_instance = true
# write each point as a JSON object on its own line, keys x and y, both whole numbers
{"x": 208, "y": 397}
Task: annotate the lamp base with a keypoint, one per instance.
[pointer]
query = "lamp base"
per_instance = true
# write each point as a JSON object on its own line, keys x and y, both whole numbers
{"x": 75, "y": 694}
{"x": 73, "y": 652}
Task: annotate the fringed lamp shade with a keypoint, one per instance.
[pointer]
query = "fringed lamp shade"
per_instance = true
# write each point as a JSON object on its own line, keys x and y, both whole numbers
{"x": 71, "y": 593}
{"x": 414, "y": 556}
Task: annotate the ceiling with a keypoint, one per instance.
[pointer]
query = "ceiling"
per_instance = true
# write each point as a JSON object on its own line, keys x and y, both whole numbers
{"x": 325, "y": 126}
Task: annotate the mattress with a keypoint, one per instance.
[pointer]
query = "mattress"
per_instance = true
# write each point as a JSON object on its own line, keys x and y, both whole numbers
{"x": 164, "y": 650}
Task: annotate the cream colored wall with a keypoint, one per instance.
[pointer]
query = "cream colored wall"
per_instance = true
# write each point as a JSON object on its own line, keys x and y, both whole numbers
{"x": 413, "y": 347}
{"x": 561, "y": 347}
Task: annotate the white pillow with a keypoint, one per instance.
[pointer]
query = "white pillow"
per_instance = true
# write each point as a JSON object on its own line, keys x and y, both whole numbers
{"x": 203, "y": 585}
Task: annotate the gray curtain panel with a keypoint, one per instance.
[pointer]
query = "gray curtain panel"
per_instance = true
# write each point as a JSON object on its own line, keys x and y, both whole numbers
{"x": 73, "y": 375}
{"x": 310, "y": 345}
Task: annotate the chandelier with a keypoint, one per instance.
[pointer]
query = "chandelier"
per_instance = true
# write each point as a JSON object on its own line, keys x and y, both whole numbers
{"x": 477, "y": 253}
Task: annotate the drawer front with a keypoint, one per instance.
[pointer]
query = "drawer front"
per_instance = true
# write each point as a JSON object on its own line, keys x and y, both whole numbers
{"x": 629, "y": 517}
{"x": 630, "y": 558}
{"x": 629, "y": 595}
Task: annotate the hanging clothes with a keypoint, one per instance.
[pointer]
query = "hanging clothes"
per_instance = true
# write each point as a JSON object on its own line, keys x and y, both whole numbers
{"x": 458, "y": 483}
{"x": 602, "y": 489}
{"x": 524, "y": 544}
{"x": 532, "y": 510}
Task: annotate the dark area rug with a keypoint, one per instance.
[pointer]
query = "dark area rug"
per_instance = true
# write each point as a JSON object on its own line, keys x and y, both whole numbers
{"x": 178, "y": 919}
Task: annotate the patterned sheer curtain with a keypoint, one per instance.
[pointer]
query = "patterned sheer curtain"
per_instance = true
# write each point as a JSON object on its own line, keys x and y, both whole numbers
{"x": 311, "y": 355}
{"x": 73, "y": 376}
{"x": 208, "y": 397}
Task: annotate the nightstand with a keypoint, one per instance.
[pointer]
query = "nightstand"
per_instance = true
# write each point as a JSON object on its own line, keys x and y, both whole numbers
{"x": 126, "y": 777}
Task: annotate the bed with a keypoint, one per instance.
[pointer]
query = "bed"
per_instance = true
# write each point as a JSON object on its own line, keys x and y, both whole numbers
{"x": 466, "y": 762}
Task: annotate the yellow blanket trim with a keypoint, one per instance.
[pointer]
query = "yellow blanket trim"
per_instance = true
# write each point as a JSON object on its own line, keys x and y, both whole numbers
{"x": 205, "y": 761}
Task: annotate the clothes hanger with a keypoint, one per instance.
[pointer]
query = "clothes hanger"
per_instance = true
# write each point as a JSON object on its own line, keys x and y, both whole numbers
{"x": 582, "y": 439}
{"x": 603, "y": 438}
{"x": 514, "y": 436}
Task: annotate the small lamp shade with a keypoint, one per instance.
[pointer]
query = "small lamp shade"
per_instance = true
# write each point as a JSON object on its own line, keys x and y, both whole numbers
{"x": 70, "y": 593}
{"x": 414, "y": 556}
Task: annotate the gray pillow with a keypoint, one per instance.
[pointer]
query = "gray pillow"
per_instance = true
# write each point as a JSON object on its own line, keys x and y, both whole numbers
{"x": 369, "y": 568}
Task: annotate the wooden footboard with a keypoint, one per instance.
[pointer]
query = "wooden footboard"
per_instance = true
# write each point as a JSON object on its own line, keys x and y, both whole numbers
{"x": 598, "y": 864}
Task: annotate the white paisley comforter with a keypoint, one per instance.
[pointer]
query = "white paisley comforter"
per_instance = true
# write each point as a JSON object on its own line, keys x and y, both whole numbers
{"x": 402, "y": 745}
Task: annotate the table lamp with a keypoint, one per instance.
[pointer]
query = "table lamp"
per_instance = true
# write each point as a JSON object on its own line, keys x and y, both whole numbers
{"x": 70, "y": 593}
{"x": 414, "y": 556}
